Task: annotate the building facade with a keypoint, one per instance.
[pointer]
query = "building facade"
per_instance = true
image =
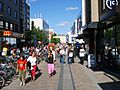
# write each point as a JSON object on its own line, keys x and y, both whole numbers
{"x": 10, "y": 21}
{"x": 39, "y": 23}
{"x": 24, "y": 15}
{"x": 101, "y": 28}
{"x": 75, "y": 30}
{"x": 27, "y": 16}
{"x": 70, "y": 38}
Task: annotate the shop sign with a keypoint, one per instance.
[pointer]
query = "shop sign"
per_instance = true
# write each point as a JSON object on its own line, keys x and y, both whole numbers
{"x": 111, "y": 3}
{"x": 7, "y": 33}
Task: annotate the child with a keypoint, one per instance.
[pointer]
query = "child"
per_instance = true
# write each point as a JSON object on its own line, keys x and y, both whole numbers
{"x": 21, "y": 68}
{"x": 50, "y": 64}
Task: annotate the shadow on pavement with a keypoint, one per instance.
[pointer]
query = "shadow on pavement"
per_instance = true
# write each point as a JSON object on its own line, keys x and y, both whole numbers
{"x": 39, "y": 73}
{"x": 28, "y": 80}
{"x": 111, "y": 74}
{"x": 7, "y": 83}
{"x": 110, "y": 85}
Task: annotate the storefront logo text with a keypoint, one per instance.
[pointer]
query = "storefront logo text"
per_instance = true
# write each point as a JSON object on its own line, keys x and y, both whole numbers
{"x": 111, "y": 3}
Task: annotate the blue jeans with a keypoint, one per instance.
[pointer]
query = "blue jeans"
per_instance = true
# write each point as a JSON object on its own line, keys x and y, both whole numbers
{"x": 69, "y": 60}
{"x": 62, "y": 59}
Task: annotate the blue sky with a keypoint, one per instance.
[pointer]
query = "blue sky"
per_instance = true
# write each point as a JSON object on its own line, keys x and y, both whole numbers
{"x": 60, "y": 14}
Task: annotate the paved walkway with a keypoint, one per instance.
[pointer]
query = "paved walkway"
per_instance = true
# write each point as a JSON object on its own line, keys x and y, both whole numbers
{"x": 68, "y": 77}
{"x": 43, "y": 81}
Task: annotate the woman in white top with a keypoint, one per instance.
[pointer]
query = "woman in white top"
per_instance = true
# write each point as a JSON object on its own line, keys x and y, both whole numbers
{"x": 62, "y": 56}
{"x": 33, "y": 61}
{"x": 82, "y": 55}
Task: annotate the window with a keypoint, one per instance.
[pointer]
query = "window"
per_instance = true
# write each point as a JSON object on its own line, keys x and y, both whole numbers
{"x": 9, "y": 11}
{"x": 11, "y": 26}
{"x": 15, "y": 14}
{"x": 1, "y": 24}
{"x": 15, "y": 1}
{"x": 6, "y": 25}
{"x": 1, "y": 7}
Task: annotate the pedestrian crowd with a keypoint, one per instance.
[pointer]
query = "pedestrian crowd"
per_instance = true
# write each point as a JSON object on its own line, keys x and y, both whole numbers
{"x": 29, "y": 59}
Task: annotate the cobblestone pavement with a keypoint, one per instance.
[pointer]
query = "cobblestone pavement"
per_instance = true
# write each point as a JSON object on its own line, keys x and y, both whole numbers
{"x": 68, "y": 77}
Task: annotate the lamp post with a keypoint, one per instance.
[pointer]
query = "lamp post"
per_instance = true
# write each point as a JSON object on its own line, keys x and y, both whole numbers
{"x": 35, "y": 41}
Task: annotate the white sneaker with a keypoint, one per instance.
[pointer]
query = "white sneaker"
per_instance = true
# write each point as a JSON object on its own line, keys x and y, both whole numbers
{"x": 21, "y": 84}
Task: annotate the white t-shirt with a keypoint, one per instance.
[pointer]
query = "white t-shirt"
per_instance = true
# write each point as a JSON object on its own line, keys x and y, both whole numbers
{"x": 62, "y": 52}
{"x": 32, "y": 60}
{"x": 82, "y": 53}
{"x": 71, "y": 54}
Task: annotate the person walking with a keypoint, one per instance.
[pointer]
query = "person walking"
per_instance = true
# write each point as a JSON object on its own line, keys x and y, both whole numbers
{"x": 33, "y": 62}
{"x": 62, "y": 56}
{"x": 70, "y": 56}
{"x": 82, "y": 55}
{"x": 21, "y": 68}
{"x": 51, "y": 67}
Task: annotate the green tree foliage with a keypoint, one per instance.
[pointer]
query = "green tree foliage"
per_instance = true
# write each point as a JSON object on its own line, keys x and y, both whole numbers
{"x": 41, "y": 35}
{"x": 55, "y": 40}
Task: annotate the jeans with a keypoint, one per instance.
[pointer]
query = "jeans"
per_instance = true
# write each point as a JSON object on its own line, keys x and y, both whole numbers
{"x": 70, "y": 60}
{"x": 62, "y": 59}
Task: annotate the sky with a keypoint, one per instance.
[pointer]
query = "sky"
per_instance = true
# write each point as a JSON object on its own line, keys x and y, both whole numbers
{"x": 59, "y": 14}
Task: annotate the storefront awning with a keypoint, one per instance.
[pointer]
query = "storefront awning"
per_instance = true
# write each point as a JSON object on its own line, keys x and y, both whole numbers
{"x": 93, "y": 26}
{"x": 83, "y": 35}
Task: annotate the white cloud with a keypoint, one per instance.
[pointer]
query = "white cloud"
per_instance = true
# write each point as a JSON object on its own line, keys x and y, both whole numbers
{"x": 32, "y": 0}
{"x": 63, "y": 24}
{"x": 72, "y": 8}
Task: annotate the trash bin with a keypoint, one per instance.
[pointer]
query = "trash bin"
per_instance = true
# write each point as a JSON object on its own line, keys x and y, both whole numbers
{"x": 91, "y": 61}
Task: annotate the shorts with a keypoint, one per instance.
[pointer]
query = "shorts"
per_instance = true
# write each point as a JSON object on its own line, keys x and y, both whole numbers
{"x": 21, "y": 72}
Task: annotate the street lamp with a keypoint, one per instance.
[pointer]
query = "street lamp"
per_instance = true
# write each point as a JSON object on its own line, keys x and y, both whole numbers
{"x": 35, "y": 41}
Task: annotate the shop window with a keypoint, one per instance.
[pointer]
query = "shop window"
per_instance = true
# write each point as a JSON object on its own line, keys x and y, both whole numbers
{"x": 112, "y": 41}
{"x": 109, "y": 37}
{"x": 117, "y": 44}
{"x": 1, "y": 24}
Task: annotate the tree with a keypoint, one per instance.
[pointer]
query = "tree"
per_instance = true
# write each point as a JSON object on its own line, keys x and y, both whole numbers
{"x": 55, "y": 40}
{"x": 40, "y": 35}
